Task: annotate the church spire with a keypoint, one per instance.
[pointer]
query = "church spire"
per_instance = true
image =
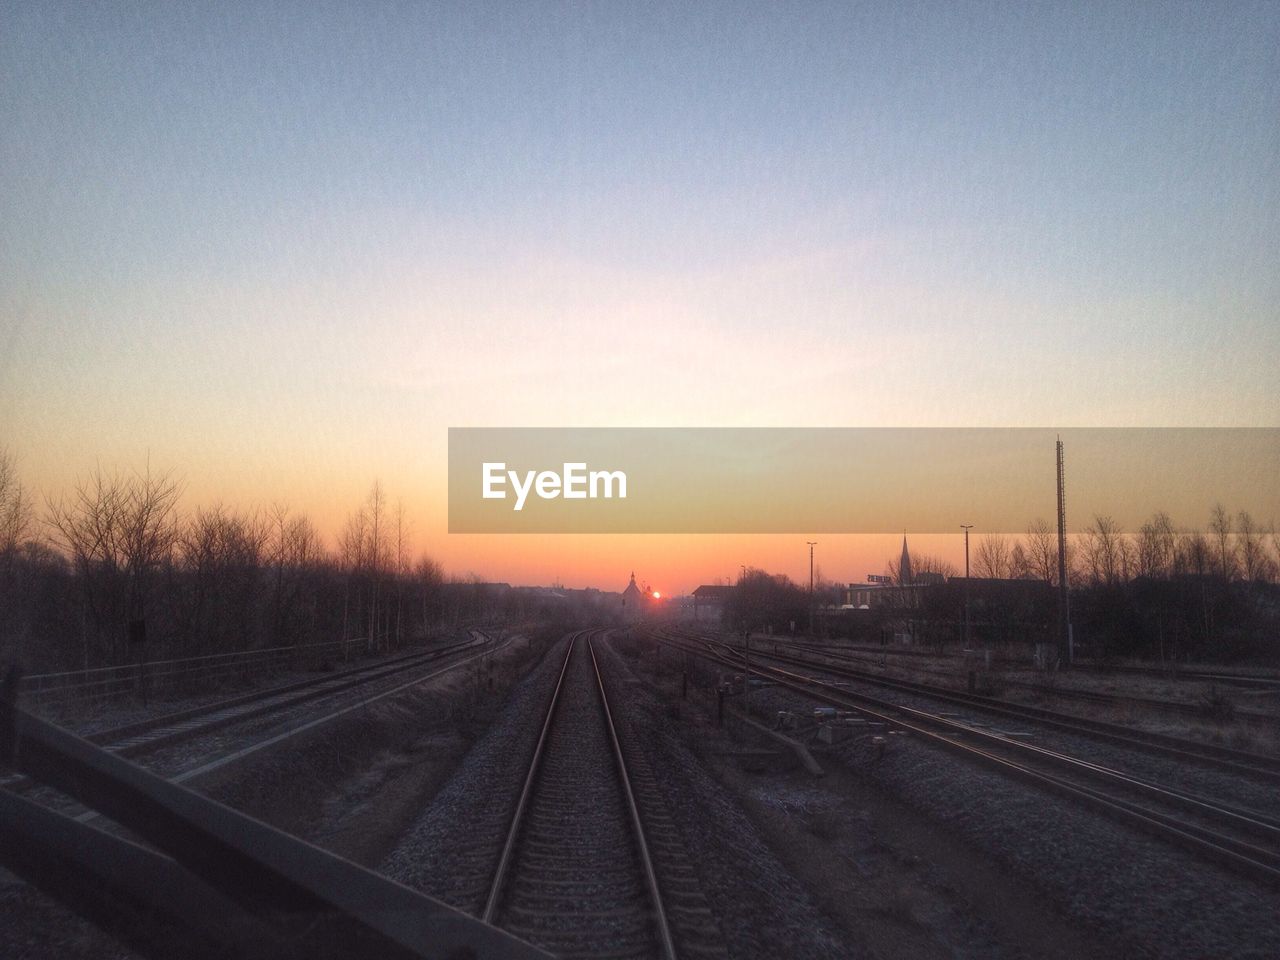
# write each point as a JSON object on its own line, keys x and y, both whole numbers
{"x": 904, "y": 565}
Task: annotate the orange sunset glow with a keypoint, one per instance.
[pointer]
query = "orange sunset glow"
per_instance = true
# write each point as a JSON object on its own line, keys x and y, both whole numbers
{"x": 285, "y": 291}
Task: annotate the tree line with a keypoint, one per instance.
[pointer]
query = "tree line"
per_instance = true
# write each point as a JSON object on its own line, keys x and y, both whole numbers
{"x": 1235, "y": 547}
{"x": 117, "y": 571}
{"x": 1163, "y": 591}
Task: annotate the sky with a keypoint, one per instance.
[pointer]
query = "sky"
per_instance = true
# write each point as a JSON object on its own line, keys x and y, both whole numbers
{"x": 281, "y": 248}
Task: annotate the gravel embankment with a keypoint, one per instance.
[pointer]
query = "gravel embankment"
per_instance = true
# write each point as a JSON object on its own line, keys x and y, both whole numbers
{"x": 1156, "y": 899}
{"x": 448, "y": 852}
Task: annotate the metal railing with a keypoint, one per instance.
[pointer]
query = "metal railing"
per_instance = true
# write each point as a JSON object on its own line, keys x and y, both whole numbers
{"x": 213, "y": 882}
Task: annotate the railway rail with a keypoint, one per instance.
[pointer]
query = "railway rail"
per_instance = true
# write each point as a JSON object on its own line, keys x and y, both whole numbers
{"x": 1244, "y": 840}
{"x": 1262, "y": 681}
{"x": 1259, "y": 685}
{"x": 133, "y": 738}
{"x": 366, "y": 684}
{"x": 1174, "y": 671}
{"x": 1257, "y": 765}
{"x": 591, "y": 865}
{"x": 177, "y": 675}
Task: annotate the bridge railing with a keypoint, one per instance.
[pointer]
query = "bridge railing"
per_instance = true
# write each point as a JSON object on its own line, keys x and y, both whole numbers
{"x": 215, "y": 882}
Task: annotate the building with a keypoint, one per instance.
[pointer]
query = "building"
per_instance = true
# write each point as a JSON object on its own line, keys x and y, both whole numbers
{"x": 876, "y": 592}
{"x": 709, "y": 600}
{"x": 635, "y": 601}
{"x": 900, "y": 592}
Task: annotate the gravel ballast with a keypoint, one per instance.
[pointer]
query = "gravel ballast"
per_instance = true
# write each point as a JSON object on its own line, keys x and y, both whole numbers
{"x": 1158, "y": 900}
{"x": 762, "y": 911}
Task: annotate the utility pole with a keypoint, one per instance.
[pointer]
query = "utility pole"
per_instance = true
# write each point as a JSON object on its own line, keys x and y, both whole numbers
{"x": 812, "y": 544}
{"x": 966, "y": 527}
{"x": 1065, "y": 653}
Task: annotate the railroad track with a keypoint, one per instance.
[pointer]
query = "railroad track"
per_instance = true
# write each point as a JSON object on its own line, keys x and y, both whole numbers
{"x": 853, "y": 654}
{"x": 591, "y": 865}
{"x": 371, "y": 682}
{"x": 1259, "y": 679}
{"x": 1244, "y": 840}
{"x": 1256, "y": 765}
{"x": 153, "y": 732}
{"x": 1256, "y": 681}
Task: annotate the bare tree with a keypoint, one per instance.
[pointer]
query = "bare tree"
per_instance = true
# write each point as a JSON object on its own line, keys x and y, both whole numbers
{"x": 402, "y": 534}
{"x": 1042, "y": 551}
{"x": 1019, "y": 562}
{"x": 295, "y": 552}
{"x": 1128, "y": 558}
{"x": 16, "y": 509}
{"x": 278, "y": 517}
{"x": 1220, "y": 527}
{"x": 1195, "y": 555}
{"x": 351, "y": 557}
{"x": 1253, "y": 555}
{"x": 827, "y": 592}
{"x": 17, "y": 559}
{"x": 117, "y": 532}
{"x": 367, "y": 554}
{"x": 993, "y": 556}
{"x": 1157, "y": 546}
{"x": 377, "y": 505}
{"x": 1105, "y": 552}
{"x": 429, "y": 579}
{"x": 931, "y": 563}
{"x": 922, "y": 564}
{"x": 222, "y": 555}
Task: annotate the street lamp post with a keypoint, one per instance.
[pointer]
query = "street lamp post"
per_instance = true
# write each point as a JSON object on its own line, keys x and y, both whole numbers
{"x": 812, "y": 544}
{"x": 966, "y": 527}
